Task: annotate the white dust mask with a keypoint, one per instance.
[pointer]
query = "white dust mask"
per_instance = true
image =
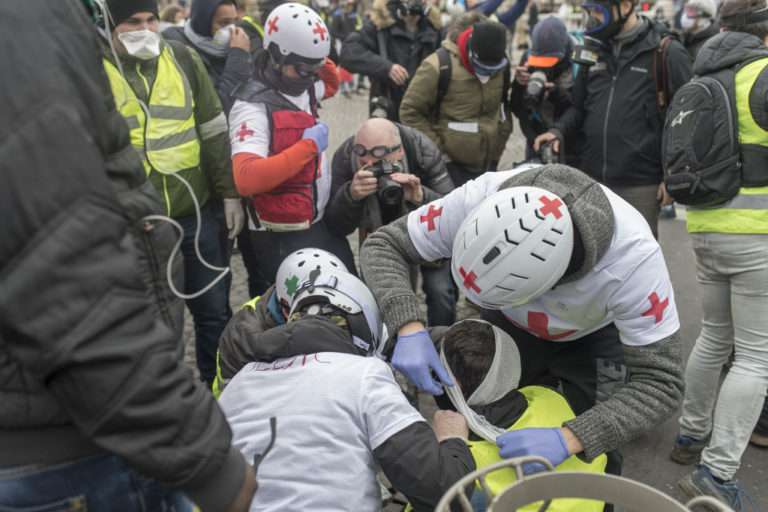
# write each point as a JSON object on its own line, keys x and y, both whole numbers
{"x": 142, "y": 44}
{"x": 223, "y": 35}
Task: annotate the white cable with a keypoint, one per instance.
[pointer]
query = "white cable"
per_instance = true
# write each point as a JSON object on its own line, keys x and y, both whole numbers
{"x": 198, "y": 215}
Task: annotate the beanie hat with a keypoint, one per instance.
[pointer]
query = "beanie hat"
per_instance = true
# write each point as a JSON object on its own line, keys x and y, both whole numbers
{"x": 201, "y": 16}
{"x": 707, "y": 8}
{"x": 489, "y": 42}
{"x": 550, "y": 43}
{"x": 121, "y": 10}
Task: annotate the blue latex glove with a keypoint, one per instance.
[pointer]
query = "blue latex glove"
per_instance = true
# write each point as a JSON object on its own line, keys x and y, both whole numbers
{"x": 414, "y": 356}
{"x": 319, "y": 134}
{"x": 544, "y": 442}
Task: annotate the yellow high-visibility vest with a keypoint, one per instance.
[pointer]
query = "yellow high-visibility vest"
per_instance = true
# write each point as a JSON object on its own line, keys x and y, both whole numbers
{"x": 546, "y": 409}
{"x": 747, "y": 213}
{"x": 255, "y": 24}
{"x": 169, "y": 142}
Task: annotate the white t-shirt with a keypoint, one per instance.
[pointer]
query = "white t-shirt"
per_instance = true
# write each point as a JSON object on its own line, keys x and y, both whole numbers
{"x": 629, "y": 286}
{"x": 332, "y": 411}
{"x": 249, "y": 133}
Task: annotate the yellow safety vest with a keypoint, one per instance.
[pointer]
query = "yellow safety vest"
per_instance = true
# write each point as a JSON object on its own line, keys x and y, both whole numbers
{"x": 546, "y": 409}
{"x": 747, "y": 213}
{"x": 169, "y": 142}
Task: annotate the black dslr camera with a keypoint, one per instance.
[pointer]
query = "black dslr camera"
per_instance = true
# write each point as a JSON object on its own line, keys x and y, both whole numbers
{"x": 587, "y": 53}
{"x": 390, "y": 192}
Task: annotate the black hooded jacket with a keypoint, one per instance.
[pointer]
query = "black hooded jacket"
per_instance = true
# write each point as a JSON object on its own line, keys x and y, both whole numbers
{"x": 614, "y": 106}
{"x": 412, "y": 459}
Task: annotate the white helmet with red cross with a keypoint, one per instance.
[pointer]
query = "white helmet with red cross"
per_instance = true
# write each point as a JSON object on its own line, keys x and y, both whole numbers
{"x": 513, "y": 247}
{"x": 296, "y": 268}
{"x": 295, "y": 33}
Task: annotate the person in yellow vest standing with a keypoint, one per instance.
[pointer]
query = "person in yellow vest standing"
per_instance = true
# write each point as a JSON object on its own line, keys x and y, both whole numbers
{"x": 484, "y": 362}
{"x": 731, "y": 246}
{"x": 184, "y": 136}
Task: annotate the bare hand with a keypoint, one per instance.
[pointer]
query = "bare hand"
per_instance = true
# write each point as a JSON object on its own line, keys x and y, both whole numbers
{"x": 243, "y": 501}
{"x": 522, "y": 75}
{"x": 448, "y": 424}
{"x": 398, "y": 74}
{"x": 363, "y": 184}
{"x": 545, "y": 138}
{"x": 412, "y": 191}
{"x": 663, "y": 196}
{"x": 239, "y": 39}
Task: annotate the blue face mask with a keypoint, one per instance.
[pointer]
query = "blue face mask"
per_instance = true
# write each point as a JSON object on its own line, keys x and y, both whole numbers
{"x": 485, "y": 70}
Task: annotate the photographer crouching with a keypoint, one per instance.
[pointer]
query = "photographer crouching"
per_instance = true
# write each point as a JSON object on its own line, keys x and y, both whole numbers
{"x": 542, "y": 90}
{"x": 382, "y": 173}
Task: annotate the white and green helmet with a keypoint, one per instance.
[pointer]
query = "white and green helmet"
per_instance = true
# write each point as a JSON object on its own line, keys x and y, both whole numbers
{"x": 295, "y": 269}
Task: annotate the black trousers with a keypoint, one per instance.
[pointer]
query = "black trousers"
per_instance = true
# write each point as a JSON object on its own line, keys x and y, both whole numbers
{"x": 270, "y": 248}
{"x": 587, "y": 370}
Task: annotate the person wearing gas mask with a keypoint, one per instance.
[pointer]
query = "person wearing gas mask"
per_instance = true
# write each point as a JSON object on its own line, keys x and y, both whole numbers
{"x": 468, "y": 117}
{"x": 224, "y": 48}
{"x": 339, "y": 413}
{"x": 542, "y": 89}
{"x": 186, "y": 136}
{"x": 379, "y": 175}
{"x": 619, "y": 102}
{"x": 390, "y": 46}
{"x": 698, "y": 22}
{"x": 278, "y": 143}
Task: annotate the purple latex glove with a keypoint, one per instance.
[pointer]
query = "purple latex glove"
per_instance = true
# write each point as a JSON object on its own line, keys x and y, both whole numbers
{"x": 544, "y": 442}
{"x": 319, "y": 134}
{"x": 414, "y": 357}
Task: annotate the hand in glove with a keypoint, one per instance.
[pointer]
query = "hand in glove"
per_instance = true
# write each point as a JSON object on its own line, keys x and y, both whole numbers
{"x": 415, "y": 355}
{"x": 235, "y": 217}
{"x": 544, "y": 442}
{"x": 319, "y": 134}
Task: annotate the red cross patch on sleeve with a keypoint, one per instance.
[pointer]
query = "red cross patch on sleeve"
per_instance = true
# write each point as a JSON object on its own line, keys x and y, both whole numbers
{"x": 657, "y": 307}
{"x": 432, "y": 214}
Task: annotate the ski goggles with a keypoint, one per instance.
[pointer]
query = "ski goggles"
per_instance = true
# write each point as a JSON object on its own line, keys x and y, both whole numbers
{"x": 592, "y": 23}
{"x": 375, "y": 151}
{"x": 306, "y": 70}
{"x": 482, "y": 68}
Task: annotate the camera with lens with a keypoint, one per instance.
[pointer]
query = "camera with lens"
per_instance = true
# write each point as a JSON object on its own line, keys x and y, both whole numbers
{"x": 534, "y": 92}
{"x": 587, "y": 52}
{"x": 381, "y": 107}
{"x": 390, "y": 192}
{"x": 547, "y": 155}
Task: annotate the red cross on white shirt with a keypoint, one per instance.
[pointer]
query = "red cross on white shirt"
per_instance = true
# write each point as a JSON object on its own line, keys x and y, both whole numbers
{"x": 657, "y": 307}
{"x": 244, "y": 132}
{"x": 430, "y": 217}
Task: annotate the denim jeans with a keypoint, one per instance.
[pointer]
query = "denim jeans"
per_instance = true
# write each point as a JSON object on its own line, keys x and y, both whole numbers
{"x": 733, "y": 273}
{"x": 102, "y": 483}
{"x": 210, "y": 311}
{"x": 441, "y": 293}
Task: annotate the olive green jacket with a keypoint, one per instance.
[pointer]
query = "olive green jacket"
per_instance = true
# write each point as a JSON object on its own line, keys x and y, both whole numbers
{"x": 478, "y": 142}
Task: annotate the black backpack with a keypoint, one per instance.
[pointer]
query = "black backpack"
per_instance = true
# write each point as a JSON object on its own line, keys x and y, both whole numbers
{"x": 700, "y": 148}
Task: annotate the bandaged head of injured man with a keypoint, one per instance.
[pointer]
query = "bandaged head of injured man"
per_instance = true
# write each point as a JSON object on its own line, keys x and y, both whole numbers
{"x": 485, "y": 365}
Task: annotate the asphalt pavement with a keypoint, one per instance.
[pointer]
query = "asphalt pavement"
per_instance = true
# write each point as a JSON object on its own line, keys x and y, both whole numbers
{"x": 646, "y": 459}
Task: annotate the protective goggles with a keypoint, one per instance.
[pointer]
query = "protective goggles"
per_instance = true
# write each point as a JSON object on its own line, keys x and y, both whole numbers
{"x": 375, "y": 151}
{"x": 486, "y": 69}
{"x": 306, "y": 70}
{"x": 592, "y": 23}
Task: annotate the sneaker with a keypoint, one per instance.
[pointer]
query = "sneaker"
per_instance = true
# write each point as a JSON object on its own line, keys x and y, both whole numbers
{"x": 687, "y": 450}
{"x": 702, "y": 483}
{"x": 759, "y": 440}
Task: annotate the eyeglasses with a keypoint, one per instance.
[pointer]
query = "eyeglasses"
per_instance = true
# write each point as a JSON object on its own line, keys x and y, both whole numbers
{"x": 375, "y": 151}
{"x": 305, "y": 70}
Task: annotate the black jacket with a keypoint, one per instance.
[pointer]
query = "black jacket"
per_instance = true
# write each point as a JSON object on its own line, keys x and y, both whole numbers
{"x": 615, "y": 108}
{"x": 227, "y": 73}
{"x": 424, "y": 159}
{"x": 413, "y": 461}
{"x": 694, "y": 42}
{"x": 361, "y": 53}
{"x": 87, "y": 363}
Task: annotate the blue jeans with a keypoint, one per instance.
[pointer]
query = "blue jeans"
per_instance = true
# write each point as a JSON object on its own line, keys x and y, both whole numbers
{"x": 103, "y": 483}
{"x": 211, "y": 310}
{"x": 441, "y": 293}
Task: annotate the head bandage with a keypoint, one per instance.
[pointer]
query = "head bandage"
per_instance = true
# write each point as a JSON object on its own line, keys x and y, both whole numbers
{"x": 502, "y": 378}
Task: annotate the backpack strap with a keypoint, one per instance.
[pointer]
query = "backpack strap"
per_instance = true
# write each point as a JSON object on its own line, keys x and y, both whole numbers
{"x": 660, "y": 71}
{"x": 444, "y": 79}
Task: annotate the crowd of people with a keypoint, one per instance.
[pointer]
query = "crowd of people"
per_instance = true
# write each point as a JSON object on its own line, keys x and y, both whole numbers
{"x": 146, "y": 147}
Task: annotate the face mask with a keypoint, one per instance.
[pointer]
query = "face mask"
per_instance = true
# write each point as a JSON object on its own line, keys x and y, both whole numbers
{"x": 291, "y": 87}
{"x": 142, "y": 44}
{"x": 602, "y": 30}
{"x": 222, "y": 36}
{"x": 483, "y": 78}
{"x": 687, "y": 23}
